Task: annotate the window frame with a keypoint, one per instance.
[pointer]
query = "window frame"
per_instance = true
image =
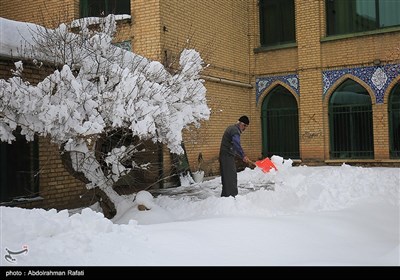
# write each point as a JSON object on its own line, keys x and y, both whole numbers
{"x": 13, "y": 184}
{"x": 332, "y": 17}
{"x": 283, "y": 25}
{"x": 84, "y": 7}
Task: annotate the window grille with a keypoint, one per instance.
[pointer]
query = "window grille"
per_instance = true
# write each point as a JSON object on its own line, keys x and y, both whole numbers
{"x": 350, "y": 122}
{"x": 394, "y": 122}
{"x": 280, "y": 124}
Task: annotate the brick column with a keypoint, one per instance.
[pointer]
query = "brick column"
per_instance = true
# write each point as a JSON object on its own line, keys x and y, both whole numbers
{"x": 308, "y": 34}
{"x": 381, "y": 131}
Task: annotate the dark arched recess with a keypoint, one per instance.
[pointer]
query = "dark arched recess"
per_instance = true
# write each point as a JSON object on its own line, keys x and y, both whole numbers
{"x": 394, "y": 122}
{"x": 280, "y": 124}
{"x": 350, "y": 122}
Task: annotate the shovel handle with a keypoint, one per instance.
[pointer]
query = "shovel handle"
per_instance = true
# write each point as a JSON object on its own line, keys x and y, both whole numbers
{"x": 251, "y": 162}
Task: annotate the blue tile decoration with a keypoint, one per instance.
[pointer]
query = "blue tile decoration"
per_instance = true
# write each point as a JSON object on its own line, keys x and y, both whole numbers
{"x": 377, "y": 77}
{"x": 292, "y": 80}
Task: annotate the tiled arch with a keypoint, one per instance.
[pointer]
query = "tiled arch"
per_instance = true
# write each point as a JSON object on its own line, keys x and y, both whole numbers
{"x": 291, "y": 80}
{"x": 377, "y": 77}
{"x": 356, "y": 80}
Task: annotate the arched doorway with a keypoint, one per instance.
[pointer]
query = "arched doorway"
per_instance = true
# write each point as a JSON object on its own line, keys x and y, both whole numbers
{"x": 350, "y": 122}
{"x": 394, "y": 121}
{"x": 280, "y": 124}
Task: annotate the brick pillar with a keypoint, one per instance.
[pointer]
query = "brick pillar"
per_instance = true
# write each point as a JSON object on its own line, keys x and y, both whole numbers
{"x": 309, "y": 64}
{"x": 146, "y": 28}
{"x": 381, "y": 131}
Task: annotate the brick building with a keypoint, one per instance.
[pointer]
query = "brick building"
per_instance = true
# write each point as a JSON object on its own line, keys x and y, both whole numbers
{"x": 319, "y": 79}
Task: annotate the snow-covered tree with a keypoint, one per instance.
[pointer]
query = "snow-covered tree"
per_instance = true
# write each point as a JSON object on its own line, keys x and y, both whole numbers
{"x": 99, "y": 91}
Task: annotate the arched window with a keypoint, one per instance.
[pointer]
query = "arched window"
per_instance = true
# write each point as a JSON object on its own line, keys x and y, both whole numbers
{"x": 350, "y": 122}
{"x": 394, "y": 122}
{"x": 280, "y": 124}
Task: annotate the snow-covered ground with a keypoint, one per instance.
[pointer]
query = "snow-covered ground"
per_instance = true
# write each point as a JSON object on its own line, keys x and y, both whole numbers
{"x": 298, "y": 216}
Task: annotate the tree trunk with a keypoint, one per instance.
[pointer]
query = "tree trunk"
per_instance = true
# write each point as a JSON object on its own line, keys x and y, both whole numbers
{"x": 108, "y": 207}
{"x": 106, "y": 204}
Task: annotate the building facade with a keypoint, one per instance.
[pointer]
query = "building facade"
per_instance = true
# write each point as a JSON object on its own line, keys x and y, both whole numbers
{"x": 319, "y": 79}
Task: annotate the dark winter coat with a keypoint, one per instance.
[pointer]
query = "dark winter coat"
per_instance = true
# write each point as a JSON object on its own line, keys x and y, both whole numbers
{"x": 230, "y": 147}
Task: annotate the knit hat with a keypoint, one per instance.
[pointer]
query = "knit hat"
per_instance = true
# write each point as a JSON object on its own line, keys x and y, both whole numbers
{"x": 244, "y": 119}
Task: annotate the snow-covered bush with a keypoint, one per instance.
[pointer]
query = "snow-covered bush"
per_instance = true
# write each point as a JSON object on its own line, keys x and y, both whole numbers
{"x": 101, "y": 89}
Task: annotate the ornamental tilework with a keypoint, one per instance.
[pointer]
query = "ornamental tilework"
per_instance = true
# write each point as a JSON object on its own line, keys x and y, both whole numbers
{"x": 291, "y": 80}
{"x": 377, "y": 77}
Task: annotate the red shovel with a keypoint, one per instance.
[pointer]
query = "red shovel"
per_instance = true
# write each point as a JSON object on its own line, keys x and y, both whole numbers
{"x": 265, "y": 164}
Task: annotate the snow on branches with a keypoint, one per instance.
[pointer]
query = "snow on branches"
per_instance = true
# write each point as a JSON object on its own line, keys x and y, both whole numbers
{"x": 99, "y": 88}
{"x": 111, "y": 88}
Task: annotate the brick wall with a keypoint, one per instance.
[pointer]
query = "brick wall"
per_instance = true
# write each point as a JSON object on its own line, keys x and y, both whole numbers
{"x": 146, "y": 28}
{"x": 48, "y": 13}
{"x": 219, "y": 30}
{"x": 310, "y": 77}
{"x": 58, "y": 188}
{"x": 224, "y": 112}
{"x": 160, "y": 29}
{"x": 313, "y": 54}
